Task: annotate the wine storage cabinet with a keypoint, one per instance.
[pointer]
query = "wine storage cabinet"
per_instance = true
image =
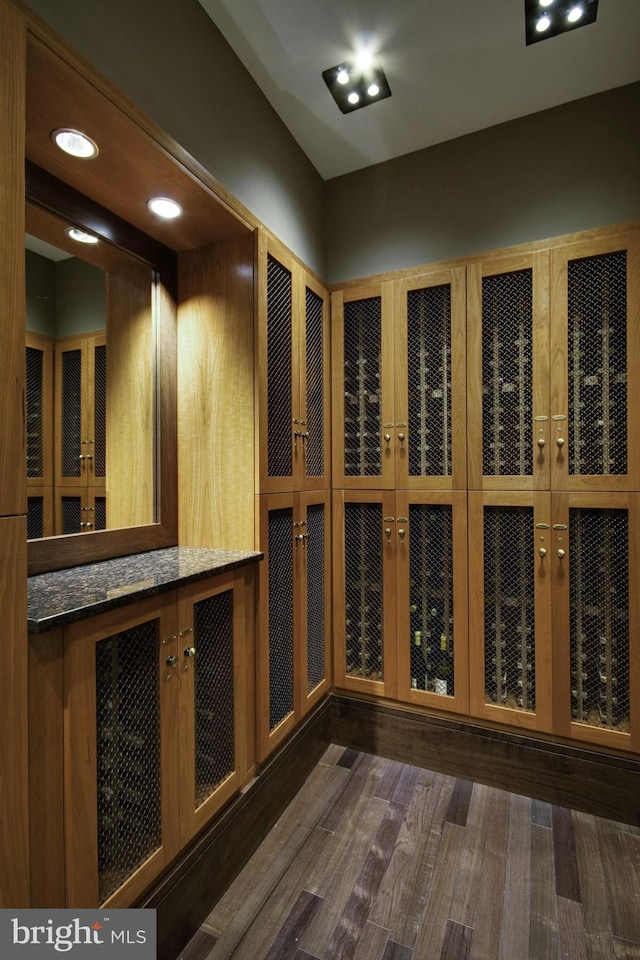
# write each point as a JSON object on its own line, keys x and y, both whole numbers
{"x": 155, "y": 737}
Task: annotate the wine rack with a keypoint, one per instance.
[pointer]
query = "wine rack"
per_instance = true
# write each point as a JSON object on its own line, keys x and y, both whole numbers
{"x": 363, "y": 523}
{"x": 597, "y": 369}
{"x": 507, "y": 401}
{"x": 431, "y": 620}
{"x": 599, "y": 618}
{"x": 362, "y": 387}
{"x": 429, "y": 381}
{"x": 509, "y": 608}
{"x": 128, "y": 753}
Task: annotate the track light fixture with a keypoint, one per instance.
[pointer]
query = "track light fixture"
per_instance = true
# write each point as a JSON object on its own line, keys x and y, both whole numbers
{"x": 356, "y": 84}
{"x": 548, "y": 18}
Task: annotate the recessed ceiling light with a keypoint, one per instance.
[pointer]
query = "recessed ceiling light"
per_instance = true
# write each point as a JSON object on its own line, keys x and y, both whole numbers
{"x": 81, "y": 236}
{"x": 548, "y": 18}
{"x": 356, "y": 84}
{"x": 164, "y": 207}
{"x": 75, "y": 143}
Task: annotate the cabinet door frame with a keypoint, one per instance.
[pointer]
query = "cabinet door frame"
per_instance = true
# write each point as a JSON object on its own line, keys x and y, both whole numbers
{"x": 542, "y": 718}
{"x": 386, "y": 479}
{"x": 80, "y": 751}
{"x": 192, "y": 819}
{"x": 559, "y": 399}
{"x": 387, "y": 687}
{"x": 459, "y": 702}
{"x": 565, "y": 726}
{"x": 455, "y": 278}
{"x": 538, "y": 263}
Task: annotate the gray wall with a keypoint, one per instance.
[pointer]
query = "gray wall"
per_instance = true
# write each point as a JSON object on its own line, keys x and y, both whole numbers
{"x": 64, "y": 299}
{"x": 40, "y": 277}
{"x": 174, "y": 64}
{"x": 567, "y": 169}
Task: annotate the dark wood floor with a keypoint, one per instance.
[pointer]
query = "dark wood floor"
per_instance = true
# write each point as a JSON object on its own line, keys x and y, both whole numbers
{"x": 378, "y": 860}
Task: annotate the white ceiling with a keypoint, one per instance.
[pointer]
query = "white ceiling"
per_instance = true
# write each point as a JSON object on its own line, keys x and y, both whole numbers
{"x": 454, "y": 66}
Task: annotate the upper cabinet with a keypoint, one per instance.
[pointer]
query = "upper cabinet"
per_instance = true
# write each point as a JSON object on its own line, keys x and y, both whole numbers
{"x": 399, "y": 403}
{"x": 293, "y": 374}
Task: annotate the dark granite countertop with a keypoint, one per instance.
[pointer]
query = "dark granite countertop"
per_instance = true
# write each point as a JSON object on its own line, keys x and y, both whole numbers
{"x": 79, "y": 592}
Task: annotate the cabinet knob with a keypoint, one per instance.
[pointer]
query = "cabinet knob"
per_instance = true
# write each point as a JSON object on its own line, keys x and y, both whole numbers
{"x": 401, "y": 437}
{"x": 387, "y": 437}
{"x": 401, "y": 533}
{"x": 171, "y": 661}
{"x": 542, "y": 551}
{"x": 189, "y": 651}
{"x": 560, "y": 441}
{"x": 561, "y": 553}
{"x": 541, "y": 442}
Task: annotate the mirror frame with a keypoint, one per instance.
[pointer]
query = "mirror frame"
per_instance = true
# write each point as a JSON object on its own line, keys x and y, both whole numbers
{"x": 70, "y": 550}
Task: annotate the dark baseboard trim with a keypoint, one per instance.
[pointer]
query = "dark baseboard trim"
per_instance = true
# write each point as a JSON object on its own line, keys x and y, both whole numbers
{"x": 592, "y": 781}
{"x": 187, "y": 893}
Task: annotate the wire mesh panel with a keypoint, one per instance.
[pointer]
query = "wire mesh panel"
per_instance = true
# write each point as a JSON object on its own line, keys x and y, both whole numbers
{"x": 280, "y": 533}
{"x": 509, "y": 592}
{"x": 100, "y": 412}
{"x": 314, "y": 427}
{"x": 597, "y": 351}
{"x": 279, "y": 370}
{"x": 316, "y": 594}
{"x": 429, "y": 370}
{"x": 507, "y": 399}
{"x": 100, "y": 513}
{"x": 71, "y": 514}
{"x": 599, "y": 616}
{"x": 214, "y": 702}
{"x": 362, "y": 387}
{"x": 128, "y": 753}
{"x": 363, "y": 590}
{"x": 35, "y": 412}
{"x": 71, "y": 413}
{"x": 431, "y": 597}
{"x": 35, "y": 517}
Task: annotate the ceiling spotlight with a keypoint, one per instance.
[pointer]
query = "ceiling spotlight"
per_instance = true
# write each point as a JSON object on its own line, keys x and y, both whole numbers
{"x": 357, "y": 84}
{"x": 80, "y": 236}
{"x": 164, "y": 207}
{"x": 559, "y": 16}
{"x": 75, "y": 143}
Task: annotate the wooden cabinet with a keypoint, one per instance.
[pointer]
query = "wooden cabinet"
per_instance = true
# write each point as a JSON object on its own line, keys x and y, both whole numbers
{"x": 80, "y": 411}
{"x": 294, "y": 666}
{"x": 554, "y": 473}
{"x": 400, "y": 593}
{"x": 155, "y": 736}
{"x": 39, "y": 443}
{"x": 399, "y": 398}
{"x": 293, "y": 374}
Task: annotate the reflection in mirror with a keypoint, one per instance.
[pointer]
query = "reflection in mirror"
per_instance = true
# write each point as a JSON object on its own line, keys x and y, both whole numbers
{"x": 91, "y": 383}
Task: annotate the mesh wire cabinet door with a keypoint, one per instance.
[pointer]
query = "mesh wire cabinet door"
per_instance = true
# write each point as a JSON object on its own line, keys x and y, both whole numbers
{"x": 429, "y": 435}
{"x": 211, "y": 668}
{"x": 510, "y": 574}
{"x": 508, "y": 374}
{"x": 80, "y": 411}
{"x": 39, "y": 407}
{"x": 596, "y": 358}
{"x": 312, "y": 558}
{"x": 293, "y": 374}
{"x": 363, "y": 417}
{"x": 121, "y": 730}
{"x": 431, "y": 560}
{"x": 364, "y": 591}
{"x": 597, "y": 617}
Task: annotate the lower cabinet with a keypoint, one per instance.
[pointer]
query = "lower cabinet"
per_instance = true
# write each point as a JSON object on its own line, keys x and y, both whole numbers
{"x": 294, "y": 621}
{"x": 155, "y": 737}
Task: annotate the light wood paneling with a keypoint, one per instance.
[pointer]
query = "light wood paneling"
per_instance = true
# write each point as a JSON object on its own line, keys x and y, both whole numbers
{"x": 12, "y": 275}
{"x": 215, "y": 388}
{"x": 46, "y": 767}
{"x": 14, "y": 799}
{"x": 131, "y": 413}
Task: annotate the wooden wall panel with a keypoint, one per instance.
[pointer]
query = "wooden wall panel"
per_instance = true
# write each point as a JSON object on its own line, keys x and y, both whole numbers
{"x": 215, "y": 396}
{"x": 13, "y": 482}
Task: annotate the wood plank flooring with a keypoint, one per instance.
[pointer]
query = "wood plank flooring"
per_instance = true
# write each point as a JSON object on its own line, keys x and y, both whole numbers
{"x": 379, "y": 860}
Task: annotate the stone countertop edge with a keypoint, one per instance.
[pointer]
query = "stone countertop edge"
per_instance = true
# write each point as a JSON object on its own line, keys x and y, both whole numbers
{"x": 66, "y": 596}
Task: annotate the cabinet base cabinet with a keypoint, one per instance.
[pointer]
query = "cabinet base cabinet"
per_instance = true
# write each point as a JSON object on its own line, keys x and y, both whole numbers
{"x": 147, "y": 719}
